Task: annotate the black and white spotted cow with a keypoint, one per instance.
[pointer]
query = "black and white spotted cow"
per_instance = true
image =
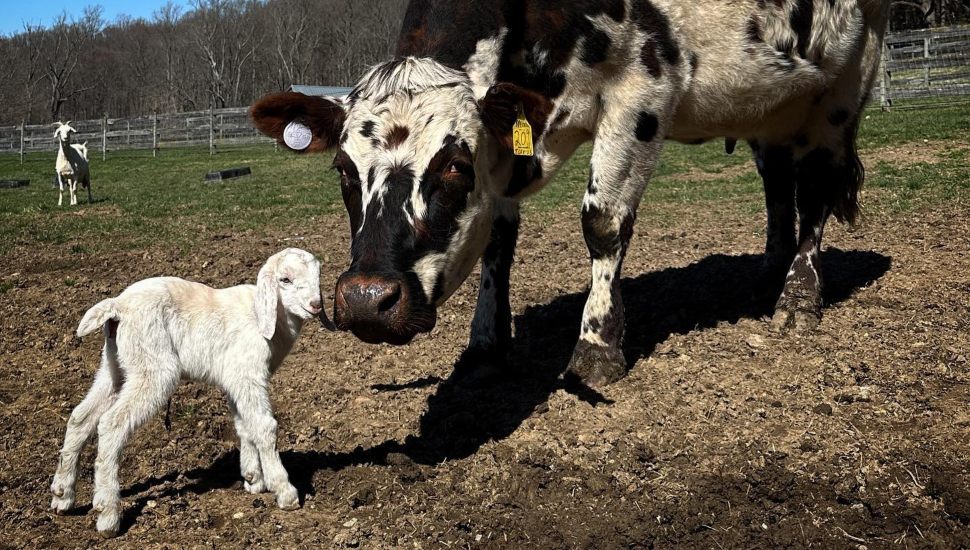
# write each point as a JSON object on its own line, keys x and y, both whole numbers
{"x": 424, "y": 146}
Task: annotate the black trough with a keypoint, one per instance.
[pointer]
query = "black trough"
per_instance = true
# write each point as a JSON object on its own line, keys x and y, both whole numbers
{"x": 219, "y": 175}
{"x": 11, "y": 184}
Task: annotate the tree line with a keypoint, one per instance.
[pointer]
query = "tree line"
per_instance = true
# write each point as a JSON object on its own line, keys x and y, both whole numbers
{"x": 222, "y": 53}
{"x": 219, "y": 53}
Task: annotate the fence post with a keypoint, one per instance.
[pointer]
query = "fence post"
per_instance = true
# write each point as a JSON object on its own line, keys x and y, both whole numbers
{"x": 104, "y": 138}
{"x": 885, "y": 99}
{"x": 154, "y": 135}
{"x": 23, "y": 123}
{"x": 926, "y": 62}
{"x": 212, "y": 132}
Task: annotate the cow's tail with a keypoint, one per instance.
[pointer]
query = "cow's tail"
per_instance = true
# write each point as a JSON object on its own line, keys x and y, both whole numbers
{"x": 97, "y": 316}
{"x": 845, "y": 207}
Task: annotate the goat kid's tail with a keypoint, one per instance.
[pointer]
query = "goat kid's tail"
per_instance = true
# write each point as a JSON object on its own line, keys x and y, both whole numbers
{"x": 97, "y": 316}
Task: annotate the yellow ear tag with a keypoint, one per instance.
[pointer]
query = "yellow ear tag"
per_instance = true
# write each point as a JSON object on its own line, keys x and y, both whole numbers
{"x": 522, "y": 137}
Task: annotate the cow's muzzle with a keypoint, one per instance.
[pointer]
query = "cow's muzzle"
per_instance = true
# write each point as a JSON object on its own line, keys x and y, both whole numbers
{"x": 379, "y": 308}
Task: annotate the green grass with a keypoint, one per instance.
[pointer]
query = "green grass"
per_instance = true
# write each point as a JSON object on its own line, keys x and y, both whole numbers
{"x": 143, "y": 200}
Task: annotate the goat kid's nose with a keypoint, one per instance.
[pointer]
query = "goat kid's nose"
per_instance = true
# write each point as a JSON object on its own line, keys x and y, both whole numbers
{"x": 316, "y": 305}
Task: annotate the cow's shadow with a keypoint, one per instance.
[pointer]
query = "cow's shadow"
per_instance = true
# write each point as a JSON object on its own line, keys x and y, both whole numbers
{"x": 466, "y": 412}
{"x": 464, "y": 415}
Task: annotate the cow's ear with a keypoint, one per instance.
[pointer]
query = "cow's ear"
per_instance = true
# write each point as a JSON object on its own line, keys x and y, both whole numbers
{"x": 501, "y": 107}
{"x": 299, "y": 122}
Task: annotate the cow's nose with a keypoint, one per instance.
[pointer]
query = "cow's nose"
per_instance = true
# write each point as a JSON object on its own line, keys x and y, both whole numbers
{"x": 370, "y": 305}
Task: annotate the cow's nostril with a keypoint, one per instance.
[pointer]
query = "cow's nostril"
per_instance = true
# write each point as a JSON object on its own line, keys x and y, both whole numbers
{"x": 390, "y": 297}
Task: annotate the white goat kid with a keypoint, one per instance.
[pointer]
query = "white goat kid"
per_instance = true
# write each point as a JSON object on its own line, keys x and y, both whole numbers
{"x": 161, "y": 330}
{"x": 72, "y": 164}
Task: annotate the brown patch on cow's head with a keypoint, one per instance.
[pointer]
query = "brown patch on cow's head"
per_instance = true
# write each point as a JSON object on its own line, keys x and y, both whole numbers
{"x": 397, "y": 136}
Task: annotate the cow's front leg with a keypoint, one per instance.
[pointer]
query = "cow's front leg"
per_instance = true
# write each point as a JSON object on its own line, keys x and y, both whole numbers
{"x": 598, "y": 358}
{"x": 626, "y": 149}
{"x": 491, "y": 336}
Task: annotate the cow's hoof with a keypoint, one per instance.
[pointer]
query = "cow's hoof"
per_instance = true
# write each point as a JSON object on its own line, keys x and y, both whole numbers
{"x": 795, "y": 320}
{"x": 597, "y": 366}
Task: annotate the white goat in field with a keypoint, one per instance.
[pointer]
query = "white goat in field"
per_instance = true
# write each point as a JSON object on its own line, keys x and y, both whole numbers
{"x": 72, "y": 164}
{"x": 161, "y": 330}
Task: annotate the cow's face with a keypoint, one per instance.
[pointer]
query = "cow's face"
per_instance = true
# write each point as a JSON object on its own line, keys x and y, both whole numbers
{"x": 419, "y": 164}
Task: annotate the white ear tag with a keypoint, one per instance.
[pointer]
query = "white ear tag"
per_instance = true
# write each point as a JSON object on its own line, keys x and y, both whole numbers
{"x": 297, "y": 136}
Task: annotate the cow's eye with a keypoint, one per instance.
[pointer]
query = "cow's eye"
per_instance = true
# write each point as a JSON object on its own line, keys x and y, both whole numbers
{"x": 458, "y": 168}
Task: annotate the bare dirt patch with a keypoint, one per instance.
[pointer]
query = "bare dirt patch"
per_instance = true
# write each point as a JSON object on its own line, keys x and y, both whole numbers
{"x": 723, "y": 434}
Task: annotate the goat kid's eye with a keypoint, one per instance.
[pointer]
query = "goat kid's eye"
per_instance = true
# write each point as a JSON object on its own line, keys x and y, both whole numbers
{"x": 286, "y": 281}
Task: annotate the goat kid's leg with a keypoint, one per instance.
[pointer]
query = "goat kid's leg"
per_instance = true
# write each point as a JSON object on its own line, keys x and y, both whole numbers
{"x": 73, "y": 185}
{"x": 60, "y": 185}
{"x": 249, "y": 465}
{"x": 627, "y": 146}
{"x": 252, "y": 401}
{"x": 140, "y": 398}
{"x": 80, "y": 427}
{"x": 491, "y": 335}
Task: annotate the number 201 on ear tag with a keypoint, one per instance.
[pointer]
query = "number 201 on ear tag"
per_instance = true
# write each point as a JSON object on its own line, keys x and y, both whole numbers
{"x": 522, "y": 137}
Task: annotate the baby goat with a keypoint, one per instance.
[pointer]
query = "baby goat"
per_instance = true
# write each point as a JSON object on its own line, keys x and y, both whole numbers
{"x": 161, "y": 330}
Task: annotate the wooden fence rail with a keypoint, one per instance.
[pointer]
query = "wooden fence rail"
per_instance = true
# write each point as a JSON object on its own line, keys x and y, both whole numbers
{"x": 926, "y": 65}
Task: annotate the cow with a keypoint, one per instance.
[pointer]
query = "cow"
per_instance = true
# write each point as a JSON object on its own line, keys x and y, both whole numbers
{"x": 432, "y": 178}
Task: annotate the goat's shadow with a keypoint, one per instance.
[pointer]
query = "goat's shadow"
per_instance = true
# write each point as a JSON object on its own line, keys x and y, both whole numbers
{"x": 466, "y": 412}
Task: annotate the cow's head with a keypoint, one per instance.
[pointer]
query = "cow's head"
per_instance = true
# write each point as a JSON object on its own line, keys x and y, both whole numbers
{"x": 420, "y": 159}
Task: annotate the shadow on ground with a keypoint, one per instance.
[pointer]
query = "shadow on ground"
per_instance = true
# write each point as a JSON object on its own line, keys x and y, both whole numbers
{"x": 466, "y": 412}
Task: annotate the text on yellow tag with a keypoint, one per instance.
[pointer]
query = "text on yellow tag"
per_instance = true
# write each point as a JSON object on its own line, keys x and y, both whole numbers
{"x": 522, "y": 137}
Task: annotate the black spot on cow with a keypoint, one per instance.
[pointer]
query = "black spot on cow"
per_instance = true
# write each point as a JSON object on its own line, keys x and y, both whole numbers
{"x": 653, "y": 22}
{"x": 648, "y": 56}
{"x": 591, "y": 187}
{"x": 602, "y": 240}
{"x": 596, "y": 48}
{"x": 616, "y": 9}
{"x": 801, "y": 140}
{"x": 753, "y": 30}
{"x": 647, "y": 125}
{"x": 555, "y": 86}
{"x": 801, "y": 22}
{"x": 838, "y": 117}
{"x": 367, "y": 130}
{"x": 525, "y": 171}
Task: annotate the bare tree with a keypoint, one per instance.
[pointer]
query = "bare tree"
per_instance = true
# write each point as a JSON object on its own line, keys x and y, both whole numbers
{"x": 61, "y": 53}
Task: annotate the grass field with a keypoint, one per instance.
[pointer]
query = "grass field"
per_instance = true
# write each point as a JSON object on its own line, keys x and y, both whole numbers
{"x": 142, "y": 199}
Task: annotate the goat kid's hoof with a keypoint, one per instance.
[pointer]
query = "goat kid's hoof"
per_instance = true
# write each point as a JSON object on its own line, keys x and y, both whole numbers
{"x": 255, "y": 488}
{"x": 109, "y": 523}
{"x": 63, "y": 498}
{"x": 61, "y": 505}
{"x": 288, "y": 499}
{"x": 597, "y": 366}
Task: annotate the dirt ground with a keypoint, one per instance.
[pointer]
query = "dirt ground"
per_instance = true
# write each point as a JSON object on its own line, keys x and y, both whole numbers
{"x": 723, "y": 434}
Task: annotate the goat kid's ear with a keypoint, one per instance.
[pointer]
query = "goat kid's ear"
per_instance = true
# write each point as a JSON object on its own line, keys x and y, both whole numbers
{"x": 265, "y": 300}
{"x": 299, "y": 122}
{"x": 500, "y": 109}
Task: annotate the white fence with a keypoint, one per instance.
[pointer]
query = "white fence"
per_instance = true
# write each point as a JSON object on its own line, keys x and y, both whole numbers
{"x": 927, "y": 66}
{"x": 219, "y": 127}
